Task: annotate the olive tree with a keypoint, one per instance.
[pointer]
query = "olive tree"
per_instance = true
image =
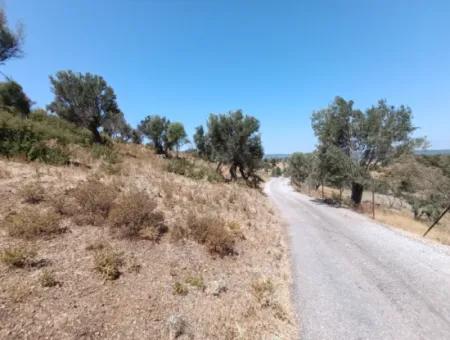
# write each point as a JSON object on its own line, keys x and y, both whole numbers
{"x": 85, "y": 100}
{"x": 10, "y": 41}
{"x": 12, "y": 98}
{"x": 368, "y": 139}
{"x": 234, "y": 141}
{"x": 154, "y": 127}
{"x": 175, "y": 137}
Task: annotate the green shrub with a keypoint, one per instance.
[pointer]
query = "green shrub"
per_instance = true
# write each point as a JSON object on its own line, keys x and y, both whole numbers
{"x": 40, "y": 137}
{"x": 184, "y": 167}
{"x": 106, "y": 153}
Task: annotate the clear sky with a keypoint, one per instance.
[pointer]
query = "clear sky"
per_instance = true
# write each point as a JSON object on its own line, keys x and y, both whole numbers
{"x": 276, "y": 60}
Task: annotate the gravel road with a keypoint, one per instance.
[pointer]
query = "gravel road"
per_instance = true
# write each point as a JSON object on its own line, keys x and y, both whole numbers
{"x": 356, "y": 279}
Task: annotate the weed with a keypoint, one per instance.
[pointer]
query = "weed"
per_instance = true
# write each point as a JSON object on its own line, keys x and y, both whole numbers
{"x": 31, "y": 223}
{"x": 180, "y": 289}
{"x": 107, "y": 262}
{"x": 18, "y": 257}
{"x": 263, "y": 290}
{"x": 195, "y": 281}
{"x": 134, "y": 215}
{"x": 47, "y": 279}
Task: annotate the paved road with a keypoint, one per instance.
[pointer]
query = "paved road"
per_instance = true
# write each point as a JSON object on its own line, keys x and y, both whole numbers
{"x": 356, "y": 279}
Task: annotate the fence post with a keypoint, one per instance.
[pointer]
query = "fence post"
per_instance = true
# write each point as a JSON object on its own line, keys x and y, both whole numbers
{"x": 436, "y": 222}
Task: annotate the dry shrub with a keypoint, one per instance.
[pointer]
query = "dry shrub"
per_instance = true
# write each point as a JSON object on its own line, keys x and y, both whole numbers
{"x": 47, "y": 279}
{"x": 134, "y": 215}
{"x": 212, "y": 232}
{"x": 263, "y": 291}
{"x": 32, "y": 193}
{"x": 4, "y": 174}
{"x": 30, "y": 223}
{"x": 107, "y": 262}
{"x": 18, "y": 257}
{"x": 96, "y": 200}
{"x": 96, "y": 245}
{"x": 64, "y": 204}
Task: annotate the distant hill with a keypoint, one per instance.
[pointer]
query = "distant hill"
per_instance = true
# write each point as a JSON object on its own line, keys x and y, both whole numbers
{"x": 277, "y": 155}
{"x": 433, "y": 152}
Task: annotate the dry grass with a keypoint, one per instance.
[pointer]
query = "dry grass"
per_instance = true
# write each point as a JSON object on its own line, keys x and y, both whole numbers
{"x": 134, "y": 215}
{"x": 108, "y": 262}
{"x": 18, "y": 257}
{"x": 140, "y": 302}
{"x": 393, "y": 212}
{"x": 32, "y": 193}
{"x": 31, "y": 223}
{"x": 48, "y": 279}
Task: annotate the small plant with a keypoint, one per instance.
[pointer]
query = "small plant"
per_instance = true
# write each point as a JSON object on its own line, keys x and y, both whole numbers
{"x": 47, "y": 279}
{"x": 97, "y": 245}
{"x": 195, "y": 281}
{"x": 180, "y": 289}
{"x": 134, "y": 215}
{"x": 31, "y": 223}
{"x": 263, "y": 291}
{"x": 108, "y": 262}
{"x": 32, "y": 193}
{"x": 18, "y": 257}
{"x": 212, "y": 232}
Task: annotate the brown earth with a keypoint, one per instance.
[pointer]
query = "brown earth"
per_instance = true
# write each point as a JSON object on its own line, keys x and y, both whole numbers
{"x": 245, "y": 295}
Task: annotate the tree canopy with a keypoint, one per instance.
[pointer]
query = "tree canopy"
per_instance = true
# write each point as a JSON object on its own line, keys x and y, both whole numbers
{"x": 233, "y": 139}
{"x": 86, "y": 100}
{"x": 361, "y": 141}
{"x": 10, "y": 41}
{"x": 12, "y": 98}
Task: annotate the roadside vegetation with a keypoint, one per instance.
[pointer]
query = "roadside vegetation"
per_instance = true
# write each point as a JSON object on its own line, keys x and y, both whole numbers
{"x": 374, "y": 151}
{"x": 99, "y": 217}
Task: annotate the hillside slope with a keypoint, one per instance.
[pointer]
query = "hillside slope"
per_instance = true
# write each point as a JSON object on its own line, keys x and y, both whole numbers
{"x": 82, "y": 278}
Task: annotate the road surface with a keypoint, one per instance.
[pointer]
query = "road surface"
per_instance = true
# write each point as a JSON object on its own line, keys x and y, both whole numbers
{"x": 356, "y": 279}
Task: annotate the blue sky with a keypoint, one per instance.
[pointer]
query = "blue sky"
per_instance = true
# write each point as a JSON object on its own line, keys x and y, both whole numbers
{"x": 276, "y": 60}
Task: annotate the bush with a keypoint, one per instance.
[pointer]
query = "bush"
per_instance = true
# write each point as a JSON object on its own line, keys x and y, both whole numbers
{"x": 96, "y": 200}
{"x": 32, "y": 193}
{"x": 31, "y": 137}
{"x": 107, "y": 262}
{"x": 134, "y": 215}
{"x": 32, "y": 223}
{"x": 212, "y": 232}
{"x": 106, "y": 153}
{"x": 184, "y": 167}
{"x": 19, "y": 257}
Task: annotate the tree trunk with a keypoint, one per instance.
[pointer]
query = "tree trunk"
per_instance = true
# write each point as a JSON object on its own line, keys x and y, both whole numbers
{"x": 373, "y": 203}
{"x": 357, "y": 192}
{"x": 323, "y": 194}
{"x": 233, "y": 172}
{"x": 96, "y": 136}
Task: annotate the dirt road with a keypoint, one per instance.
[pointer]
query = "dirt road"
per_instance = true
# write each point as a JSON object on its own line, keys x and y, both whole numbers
{"x": 356, "y": 279}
